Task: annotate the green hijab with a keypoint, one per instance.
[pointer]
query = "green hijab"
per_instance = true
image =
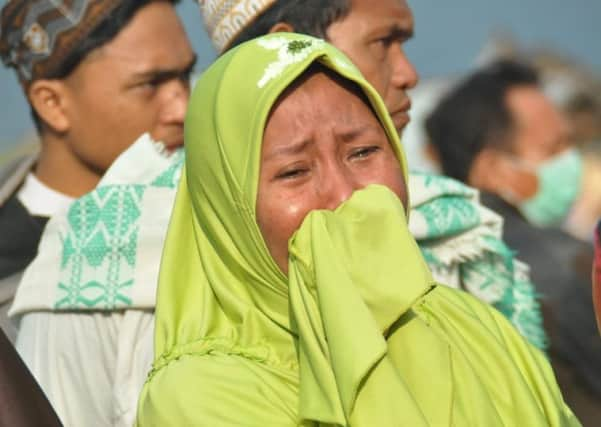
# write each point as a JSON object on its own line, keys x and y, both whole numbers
{"x": 357, "y": 334}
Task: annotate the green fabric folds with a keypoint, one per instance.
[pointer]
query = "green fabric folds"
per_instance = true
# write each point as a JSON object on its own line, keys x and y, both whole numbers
{"x": 358, "y": 334}
{"x": 336, "y": 356}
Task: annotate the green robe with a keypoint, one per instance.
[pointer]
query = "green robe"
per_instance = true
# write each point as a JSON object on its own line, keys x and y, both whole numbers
{"x": 358, "y": 334}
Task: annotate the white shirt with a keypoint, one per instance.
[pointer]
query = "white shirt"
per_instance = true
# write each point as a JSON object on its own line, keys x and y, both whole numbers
{"x": 41, "y": 200}
{"x": 92, "y": 364}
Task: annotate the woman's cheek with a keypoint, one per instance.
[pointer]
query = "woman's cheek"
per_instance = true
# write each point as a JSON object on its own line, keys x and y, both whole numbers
{"x": 293, "y": 213}
{"x": 280, "y": 214}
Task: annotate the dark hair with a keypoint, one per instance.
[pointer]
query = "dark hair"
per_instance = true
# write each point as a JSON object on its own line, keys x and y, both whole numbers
{"x": 311, "y": 17}
{"x": 106, "y": 31}
{"x": 475, "y": 115}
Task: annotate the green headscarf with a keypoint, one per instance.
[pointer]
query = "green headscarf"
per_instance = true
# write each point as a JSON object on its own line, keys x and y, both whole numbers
{"x": 358, "y": 334}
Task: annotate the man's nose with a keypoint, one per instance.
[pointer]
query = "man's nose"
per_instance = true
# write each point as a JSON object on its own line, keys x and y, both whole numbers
{"x": 175, "y": 102}
{"x": 336, "y": 186}
{"x": 404, "y": 73}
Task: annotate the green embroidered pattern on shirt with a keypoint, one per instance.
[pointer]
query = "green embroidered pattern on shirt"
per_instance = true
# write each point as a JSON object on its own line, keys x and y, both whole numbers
{"x": 170, "y": 177}
{"x": 101, "y": 242}
{"x": 447, "y": 216}
{"x": 99, "y": 253}
{"x": 495, "y": 278}
{"x": 438, "y": 184}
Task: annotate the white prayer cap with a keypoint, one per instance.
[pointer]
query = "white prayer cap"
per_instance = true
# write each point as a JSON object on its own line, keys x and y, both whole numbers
{"x": 225, "y": 19}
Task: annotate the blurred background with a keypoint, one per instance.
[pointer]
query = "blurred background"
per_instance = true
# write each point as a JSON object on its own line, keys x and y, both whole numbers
{"x": 451, "y": 38}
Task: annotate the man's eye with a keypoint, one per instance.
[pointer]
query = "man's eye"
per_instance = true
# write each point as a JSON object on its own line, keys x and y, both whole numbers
{"x": 379, "y": 48}
{"x": 150, "y": 85}
{"x": 186, "y": 75}
{"x": 386, "y": 41}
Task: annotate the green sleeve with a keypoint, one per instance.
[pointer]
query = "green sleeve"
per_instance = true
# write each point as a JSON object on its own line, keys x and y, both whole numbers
{"x": 217, "y": 390}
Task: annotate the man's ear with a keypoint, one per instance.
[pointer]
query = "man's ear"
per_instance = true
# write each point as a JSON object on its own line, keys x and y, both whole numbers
{"x": 49, "y": 99}
{"x": 488, "y": 170}
{"x": 282, "y": 27}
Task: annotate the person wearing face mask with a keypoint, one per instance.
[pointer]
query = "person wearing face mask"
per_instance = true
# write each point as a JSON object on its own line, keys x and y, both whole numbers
{"x": 291, "y": 291}
{"x": 558, "y": 180}
{"x": 498, "y": 132}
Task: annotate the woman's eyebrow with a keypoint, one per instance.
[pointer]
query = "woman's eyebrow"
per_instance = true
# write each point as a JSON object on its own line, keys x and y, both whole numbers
{"x": 345, "y": 136}
{"x": 352, "y": 134}
{"x": 289, "y": 149}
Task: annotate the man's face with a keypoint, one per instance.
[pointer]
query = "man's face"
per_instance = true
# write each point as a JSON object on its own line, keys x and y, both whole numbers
{"x": 136, "y": 83}
{"x": 541, "y": 131}
{"x": 372, "y": 35}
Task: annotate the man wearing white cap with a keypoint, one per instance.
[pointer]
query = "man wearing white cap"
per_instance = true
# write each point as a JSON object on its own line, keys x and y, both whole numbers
{"x": 371, "y": 33}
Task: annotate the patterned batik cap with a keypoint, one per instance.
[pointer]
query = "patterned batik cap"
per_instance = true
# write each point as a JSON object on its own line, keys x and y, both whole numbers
{"x": 36, "y": 36}
{"x": 225, "y": 19}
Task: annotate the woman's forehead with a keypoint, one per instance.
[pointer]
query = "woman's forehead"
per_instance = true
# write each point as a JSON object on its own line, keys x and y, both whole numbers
{"x": 317, "y": 76}
{"x": 318, "y": 103}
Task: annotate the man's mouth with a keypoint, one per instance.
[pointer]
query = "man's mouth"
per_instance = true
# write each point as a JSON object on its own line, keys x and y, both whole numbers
{"x": 400, "y": 116}
{"x": 174, "y": 143}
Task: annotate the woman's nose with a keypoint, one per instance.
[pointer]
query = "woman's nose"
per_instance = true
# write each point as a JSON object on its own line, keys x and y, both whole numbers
{"x": 336, "y": 187}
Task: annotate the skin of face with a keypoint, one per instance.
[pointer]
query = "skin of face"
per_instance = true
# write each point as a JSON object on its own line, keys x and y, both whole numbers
{"x": 540, "y": 131}
{"x": 373, "y": 35}
{"x": 136, "y": 83}
{"x": 321, "y": 143}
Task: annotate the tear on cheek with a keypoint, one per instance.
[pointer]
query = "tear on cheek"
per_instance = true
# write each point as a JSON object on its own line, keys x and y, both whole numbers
{"x": 294, "y": 211}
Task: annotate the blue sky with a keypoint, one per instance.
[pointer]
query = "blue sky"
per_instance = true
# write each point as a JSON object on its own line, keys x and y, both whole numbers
{"x": 449, "y": 36}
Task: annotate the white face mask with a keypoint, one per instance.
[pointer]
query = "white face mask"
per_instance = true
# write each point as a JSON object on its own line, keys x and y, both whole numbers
{"x": 559, "y": 183}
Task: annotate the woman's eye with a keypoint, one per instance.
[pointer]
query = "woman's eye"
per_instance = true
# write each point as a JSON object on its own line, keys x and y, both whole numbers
{"x": 363, "y": 153}
{"x": 291, "y": 173}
